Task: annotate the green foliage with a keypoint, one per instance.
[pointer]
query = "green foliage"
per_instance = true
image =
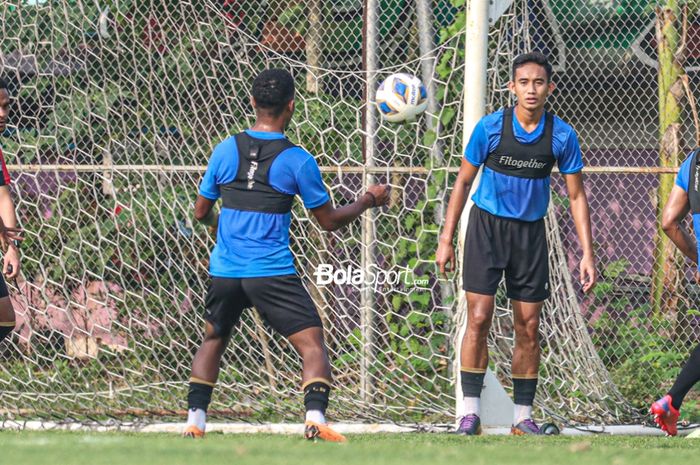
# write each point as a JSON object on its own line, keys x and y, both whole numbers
{"x": 636, "y": 345}
{"x": 338, "y": 118}
{"x": 83, "y": 232}
{"x": 93, "y": 107}
{"x": 294, "y": 18}
{"x": 643, "y": 362}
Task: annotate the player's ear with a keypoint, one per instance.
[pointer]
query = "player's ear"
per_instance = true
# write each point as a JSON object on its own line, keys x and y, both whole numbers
{"x": 511, "y": 87}
{"x": 550, "y": 87}
{"x": 290, "y": 106}
{"x": 253, "y": 103}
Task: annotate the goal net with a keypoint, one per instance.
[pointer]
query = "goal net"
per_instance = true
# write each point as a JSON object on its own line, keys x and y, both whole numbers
{"x": 116, "y": 108}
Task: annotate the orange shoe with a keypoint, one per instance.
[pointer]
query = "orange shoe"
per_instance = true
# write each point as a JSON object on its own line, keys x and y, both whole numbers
{"x": 193, "y": 432}
{"x": 313, "y": 430}
{"x": 665, "y": 415}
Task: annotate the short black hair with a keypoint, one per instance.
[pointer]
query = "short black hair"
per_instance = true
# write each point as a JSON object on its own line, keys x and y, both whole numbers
{"x": 538, "y": 58}
{"x": 273, "y": 89}
{"x": 3, "y": 84}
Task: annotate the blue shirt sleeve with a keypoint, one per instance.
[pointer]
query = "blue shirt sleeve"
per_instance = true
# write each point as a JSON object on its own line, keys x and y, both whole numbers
{"x": 478, "y": 147}
{"x": 310, "y": 184}
{"x": 683, "y": 177}
{"x": 209, "y": 187}
{"x": 683, "y": 181}
{"x": 570, "y": 160}
{"x": 696, "y": 227}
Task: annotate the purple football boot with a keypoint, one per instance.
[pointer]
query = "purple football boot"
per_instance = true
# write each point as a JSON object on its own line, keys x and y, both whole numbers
{"x": 525, "y": 427}
{"x": 469, "y": 425}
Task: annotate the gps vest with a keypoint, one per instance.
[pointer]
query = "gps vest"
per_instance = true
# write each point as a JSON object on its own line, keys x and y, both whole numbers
{"x": 693, "y": 191}
{"x": 523, "y": 160}
{"x": 251, "y": 189}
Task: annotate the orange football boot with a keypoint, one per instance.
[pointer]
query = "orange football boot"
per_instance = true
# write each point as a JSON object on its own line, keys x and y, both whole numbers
{"x": 313, "y": 430}
{"x": 193, "y": 432}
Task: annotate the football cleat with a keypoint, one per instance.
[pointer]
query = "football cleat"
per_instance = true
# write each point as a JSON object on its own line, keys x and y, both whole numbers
{"x": 665, "y": 415}
{"x": 313, "y": 431}
{"x": 525, "y": 427}
{"x": 469, "y": 425}
{"x": 191, "y": 431}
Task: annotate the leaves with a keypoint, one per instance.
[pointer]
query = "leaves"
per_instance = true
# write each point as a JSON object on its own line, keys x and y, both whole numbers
{"x": 616, "y": 268}
{"x": 295, "y": 18}
{"x": 448, "y": 113}
{"x": 429, "y": 138}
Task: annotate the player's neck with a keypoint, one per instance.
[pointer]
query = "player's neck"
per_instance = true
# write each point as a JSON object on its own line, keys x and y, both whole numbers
{"x": 268, "y": 126}
{"x": 528, "y": 119}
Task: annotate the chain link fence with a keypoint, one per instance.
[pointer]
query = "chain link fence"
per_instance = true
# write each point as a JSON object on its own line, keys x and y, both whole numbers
{"x": 117, "y": 106}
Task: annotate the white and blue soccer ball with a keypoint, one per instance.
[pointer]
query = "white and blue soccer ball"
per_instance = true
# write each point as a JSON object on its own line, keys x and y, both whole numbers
{"x": 401, "y": 97}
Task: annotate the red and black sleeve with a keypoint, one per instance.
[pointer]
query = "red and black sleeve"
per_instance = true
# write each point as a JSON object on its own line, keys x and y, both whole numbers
{"x": 5, "y": 178}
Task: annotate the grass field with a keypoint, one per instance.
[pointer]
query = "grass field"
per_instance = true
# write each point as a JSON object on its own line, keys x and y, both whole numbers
{"x": 58, "y": 448}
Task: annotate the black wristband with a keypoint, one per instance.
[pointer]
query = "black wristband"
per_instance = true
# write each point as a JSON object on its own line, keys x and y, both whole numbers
{"x": 374, "y": 199}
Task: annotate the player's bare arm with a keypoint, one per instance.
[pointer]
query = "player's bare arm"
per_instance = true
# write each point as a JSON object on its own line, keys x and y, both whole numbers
{"x": 10, "y": 234}
{"x": 675, "y": 211}
{"x": 332, "y": 219}
{"x": 204, "y": 212}
{"x": 328, "y": 217}
{"x": 445, "y": 255}
{"x": 582, "y": 219}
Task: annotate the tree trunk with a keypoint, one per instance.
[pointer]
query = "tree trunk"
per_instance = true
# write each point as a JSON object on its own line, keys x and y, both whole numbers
{"x": 666, "y": 274}
{"x": 313, "y": 46}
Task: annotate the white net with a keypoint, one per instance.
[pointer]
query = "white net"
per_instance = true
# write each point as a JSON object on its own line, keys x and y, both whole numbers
{"x": 116, "y": 108}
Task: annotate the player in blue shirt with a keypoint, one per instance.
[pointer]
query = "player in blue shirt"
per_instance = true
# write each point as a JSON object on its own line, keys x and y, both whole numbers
{"x": 256, "y": 174}
{"x": 684, "y": 198}
{"x": 506, "y": 235}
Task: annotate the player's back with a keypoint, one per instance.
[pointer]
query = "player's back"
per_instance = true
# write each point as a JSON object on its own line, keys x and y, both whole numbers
{"x": 253, "y": 231}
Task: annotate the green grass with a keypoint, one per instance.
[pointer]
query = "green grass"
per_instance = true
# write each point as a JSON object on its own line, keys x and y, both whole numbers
{"x": 58, "y": 448}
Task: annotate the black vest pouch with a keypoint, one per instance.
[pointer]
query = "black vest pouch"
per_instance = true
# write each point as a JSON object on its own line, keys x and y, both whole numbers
{"x": 251, "y": 189}
{"x": 523, "y": 160}
{"x": 693, "y": 187}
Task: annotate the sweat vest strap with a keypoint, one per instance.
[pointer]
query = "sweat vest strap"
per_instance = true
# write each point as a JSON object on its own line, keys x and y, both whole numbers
{"x": 251, "y": 189}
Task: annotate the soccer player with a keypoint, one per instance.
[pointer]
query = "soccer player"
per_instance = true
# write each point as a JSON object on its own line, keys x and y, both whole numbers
{"x": 506, "y": 234}
{"x": 257, "y": 173}
{"x": 9, "y": 233}
{"x": 684, "y": 198}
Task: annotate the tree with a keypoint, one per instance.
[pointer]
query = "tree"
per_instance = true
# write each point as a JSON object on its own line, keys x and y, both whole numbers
{"x": 670, "y": 46}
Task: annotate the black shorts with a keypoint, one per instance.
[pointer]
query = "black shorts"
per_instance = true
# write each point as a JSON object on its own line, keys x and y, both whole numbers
{"x": 496, "y": 245}
{"x": 282, "y": 301}
{"x": 3, "y": 287}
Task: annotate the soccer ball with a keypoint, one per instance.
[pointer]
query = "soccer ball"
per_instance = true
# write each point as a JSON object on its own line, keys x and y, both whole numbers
{"x": 549, "y": 429}
{"x": 401, "y": 97}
